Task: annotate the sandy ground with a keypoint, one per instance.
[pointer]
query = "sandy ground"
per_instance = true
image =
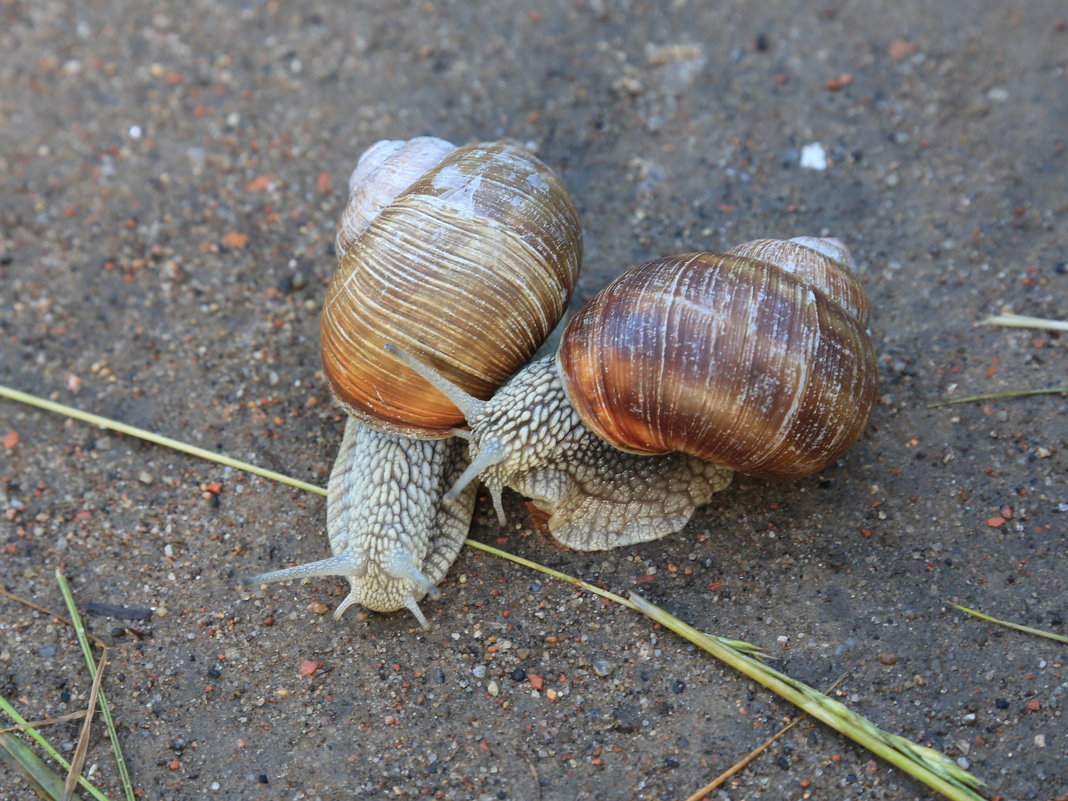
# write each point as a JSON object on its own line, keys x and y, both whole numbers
{"x": 171, "y": 177}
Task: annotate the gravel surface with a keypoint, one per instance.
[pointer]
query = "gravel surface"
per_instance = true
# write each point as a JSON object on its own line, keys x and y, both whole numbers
{"x": 171, "y": 177}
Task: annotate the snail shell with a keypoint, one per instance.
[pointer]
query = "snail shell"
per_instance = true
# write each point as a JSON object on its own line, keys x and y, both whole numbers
{"x": 466, "y": 256}
{"x": 469, "y": 268}
{"x": 757, "y": 360}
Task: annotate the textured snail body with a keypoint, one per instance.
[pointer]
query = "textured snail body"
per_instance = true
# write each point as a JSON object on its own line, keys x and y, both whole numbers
{"x": 466, "y": 256}
{"x": 755, "y": 360}
{"x": 392, "y": 532}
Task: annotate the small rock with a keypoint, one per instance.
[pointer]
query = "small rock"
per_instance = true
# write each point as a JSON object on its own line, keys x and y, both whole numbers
{"x": 813, "y": 157}
{"x": 493, "y": 688}
{"x": 603, "y": 668}
{"x": 145, "y": 477}
{"x": 887, "y": 658}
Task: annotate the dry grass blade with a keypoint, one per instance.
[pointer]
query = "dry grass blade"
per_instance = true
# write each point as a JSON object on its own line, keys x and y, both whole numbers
{"x": 37, "y": 724}
{"x": 931, "y": 767}
{"x": 1023, "y": 321}
{"x": 99, "y": 643}
{"x": 1015, "y": 393}
{"x": 149, "y": 436}
{"x": 740, "y": 764}
{"x": 83, "y": 737}
{"x": 760, "y": 749}
{"x": 90, "y": 663}
{"x": 30, "y": 767}
{"x": 1018, "y": 626}
{"x": 49, "y": 749}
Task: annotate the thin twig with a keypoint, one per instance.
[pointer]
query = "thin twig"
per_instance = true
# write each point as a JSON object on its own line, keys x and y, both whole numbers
{"x": 46, "y": 722}
{"x": 931, "y": 767}
{"x": 99, "y": 643}
{"x": 760, "y": 749}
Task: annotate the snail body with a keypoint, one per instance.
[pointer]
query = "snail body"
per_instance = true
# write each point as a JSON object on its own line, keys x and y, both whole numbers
{"x": 755, "y": 360}
{"x": 467, "y": 257}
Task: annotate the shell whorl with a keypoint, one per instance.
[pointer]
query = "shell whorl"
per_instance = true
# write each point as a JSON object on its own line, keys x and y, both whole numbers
{"x": 468, "y": 269}
{"x": 384, "y": 170}
{"x": 757, "y": 360}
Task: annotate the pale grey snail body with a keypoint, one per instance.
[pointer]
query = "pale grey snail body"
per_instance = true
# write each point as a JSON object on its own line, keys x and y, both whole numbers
{"x": 428, "y": 229}
{"x": 755, "y": 360}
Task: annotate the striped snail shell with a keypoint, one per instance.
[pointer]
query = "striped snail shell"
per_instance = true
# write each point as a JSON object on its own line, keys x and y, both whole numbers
{"x": 466, "y": 256}
{"x": 754, "y": 360}
{"x": 468, "y": 269}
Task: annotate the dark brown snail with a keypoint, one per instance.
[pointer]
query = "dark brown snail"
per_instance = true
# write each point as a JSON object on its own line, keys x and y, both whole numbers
{"x": 755, "y": 360}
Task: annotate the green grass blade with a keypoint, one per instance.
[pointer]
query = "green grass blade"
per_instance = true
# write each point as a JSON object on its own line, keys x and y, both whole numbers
{"x": 90, "y": 663}
{"x": 30, "y": 767}
{"x": 49, "y": 749}
{"x": 1018, "y": 626}
{"x": 931, "y": 767}
{"x": 737, "y": 645}
{"x": 158, "y": 439}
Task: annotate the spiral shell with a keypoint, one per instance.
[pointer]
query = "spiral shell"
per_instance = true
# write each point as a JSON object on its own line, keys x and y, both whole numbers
{"x": 757, "y": 360}
{"x": 468, "y": 269}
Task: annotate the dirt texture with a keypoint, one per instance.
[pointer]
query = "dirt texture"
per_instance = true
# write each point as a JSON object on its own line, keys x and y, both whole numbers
{"x": 170, "y": 179}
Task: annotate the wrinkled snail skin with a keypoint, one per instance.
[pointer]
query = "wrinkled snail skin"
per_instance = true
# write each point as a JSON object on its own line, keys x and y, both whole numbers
{"x": 392, "y": 533}
{"x": 598, "y": 496}
{"x": 757, "y": 360}
{"x": 437, "y": 245}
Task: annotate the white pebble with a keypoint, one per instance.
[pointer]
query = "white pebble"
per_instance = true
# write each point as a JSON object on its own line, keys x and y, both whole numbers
{"x": 813, "y": 157}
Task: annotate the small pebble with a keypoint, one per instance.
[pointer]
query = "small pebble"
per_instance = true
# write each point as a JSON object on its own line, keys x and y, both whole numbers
{"x": 478, "y": 671}
{"x": 145, "y": 477}
{"x": 603, "y": 668}
{"x": 887, "y": 658}
{"x": 518, "y": 674}
{"x": 813, "y": 157}
{"x": 493, "y": 688}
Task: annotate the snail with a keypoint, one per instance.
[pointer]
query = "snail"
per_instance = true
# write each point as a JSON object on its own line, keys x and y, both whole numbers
{"x": 467, "y": 258}
{"x": 756, "y": 360}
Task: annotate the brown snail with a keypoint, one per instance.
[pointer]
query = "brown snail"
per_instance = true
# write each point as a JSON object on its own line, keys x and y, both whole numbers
{"x": 756, "y": 360}
{"x": 466, "y": 257}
